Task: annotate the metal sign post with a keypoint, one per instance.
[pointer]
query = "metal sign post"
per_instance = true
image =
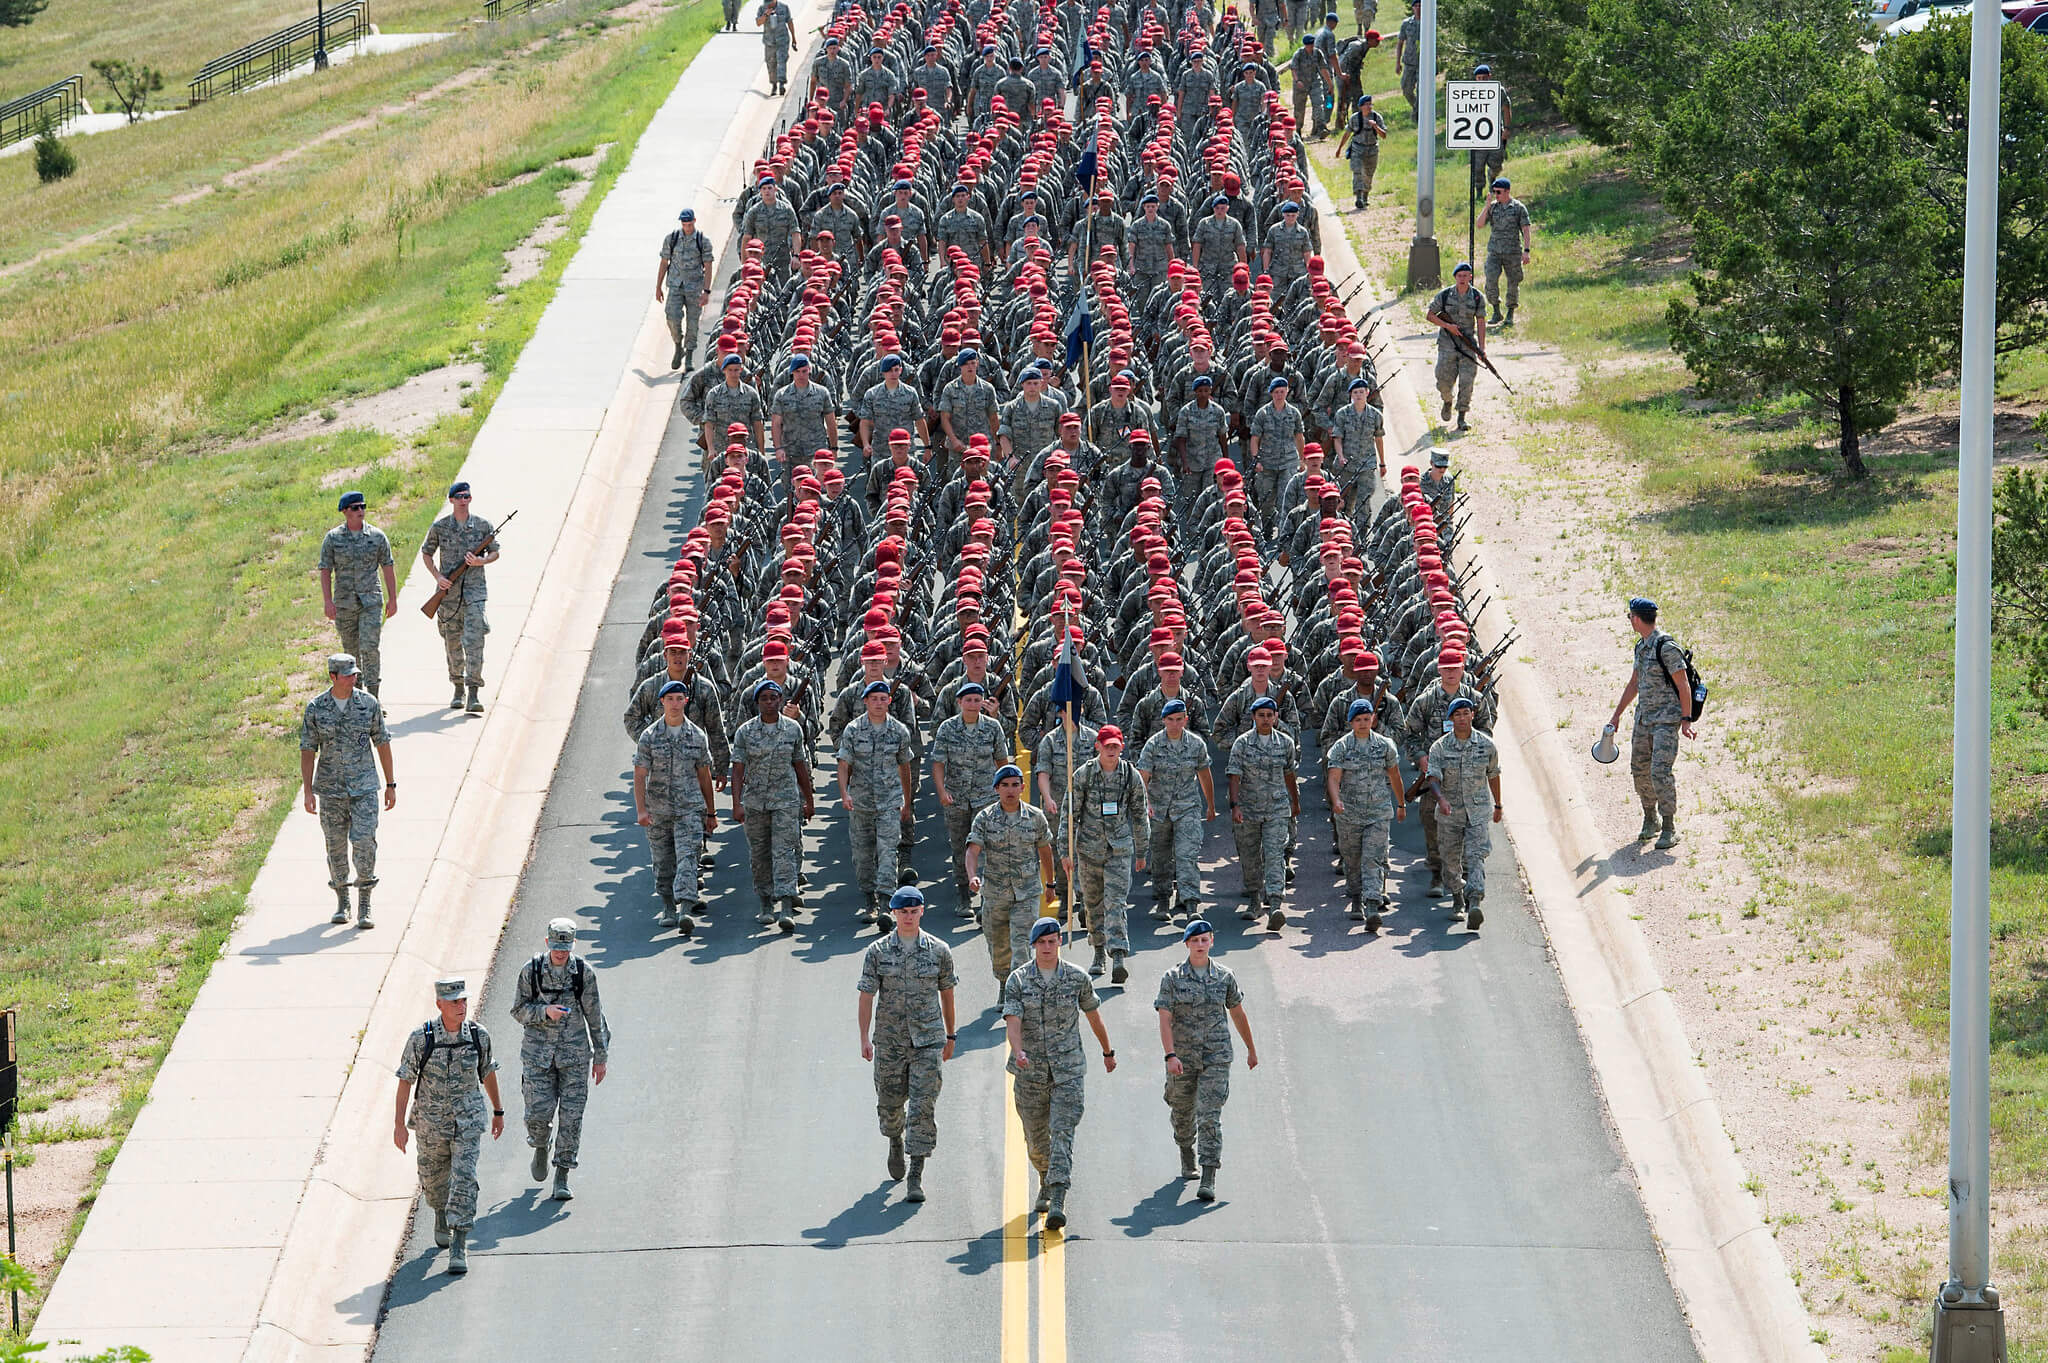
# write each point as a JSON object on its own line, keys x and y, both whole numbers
{"x": 1425, "y": 264}
{"x": 7, "y": 1105}
{"x": 1472, "y": 125}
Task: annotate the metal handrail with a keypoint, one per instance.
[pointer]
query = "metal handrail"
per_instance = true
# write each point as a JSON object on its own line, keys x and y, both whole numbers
{"x": 246, "y": 66}
{"x": 495, "y": 10}
{"x": 23, "y": 118}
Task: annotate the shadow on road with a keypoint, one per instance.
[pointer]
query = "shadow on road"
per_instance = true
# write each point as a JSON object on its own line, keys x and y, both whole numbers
{"x": 1163, "y": 1208}
{"x": 873, "y": 1215}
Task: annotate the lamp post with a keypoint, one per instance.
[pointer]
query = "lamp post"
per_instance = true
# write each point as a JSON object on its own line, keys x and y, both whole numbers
{"x": 319, "y": 35}
{"x": 1969, "y": 1326}
{"x": 1425, "y": 265}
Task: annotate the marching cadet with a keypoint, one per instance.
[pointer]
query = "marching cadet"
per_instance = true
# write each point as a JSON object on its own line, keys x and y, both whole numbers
{"x": 354, "y": 556}
{"x": 448, "y": 1059}
{"x": 771, "y": 799}
{"x": 877, "y": 778}
{"x": 1043, "y": 1000}
{"x": 700, "y": 699}
{"x": 1429, "y": 719}
{"x": 341, "y": 728}
{"x": 967, "y": 750}
{"x": 1363, "y": 782}
{"x": 1111, "y": 835}
{"x": 1459, "y": 313}
{"x": 1263, "y": 801}
{"x": 1002, "y": 844}
{"x": 1198, "y": 1002}
{"x": 1049, "y": 764}
{"x": 1182, "y": 791}
{"x": 672, "y": 800}
{"x": 459, "y": 539}
{"x": 1466, "y": 765}
{"x": 563, "y": 1052}
{"x": 906, "y": 1030}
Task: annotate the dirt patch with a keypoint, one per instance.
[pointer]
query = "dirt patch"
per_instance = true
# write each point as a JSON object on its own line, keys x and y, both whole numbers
{"x": 524, "y": 261}
{"x": 1826, "y": 1091}
{"x": 46, "y": 1198}
{"x": 2019, "y": 434}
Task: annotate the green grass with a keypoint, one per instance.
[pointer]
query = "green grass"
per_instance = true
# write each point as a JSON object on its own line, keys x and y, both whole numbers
{"x": 159, "y": 614}
{"x": 1822, "y": 604}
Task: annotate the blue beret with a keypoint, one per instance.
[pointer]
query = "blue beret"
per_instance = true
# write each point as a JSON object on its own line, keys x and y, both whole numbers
{"x": 1033, "y": 218}
{"x": 1483, "y": 69}
{"x": 1195, "y": 929}
{"x": 766, "y": 180}
{"x": 959, "y": 189}
{"x": 1364, "y": 100}
{"x": 1278, "y": 382}
{"x": 890, "y": 362}
{"x": 1045, "y": 927}
{"x": 349, "y": 499}
{"x": 1461, "y": 703}
{"x": 767, "y": 685}
{"x": 988, "y": 47}
{"x": 1265, "y": 703}
{"x": 1642, "y": 603}
{"x": 1219, "y": 199}
{"x": 1009, "y": 771}
{"x": 797, "y": 362}
{"x": 903, "y": 184}
{"x": 729, "y": 361}
{"x": 1204, "y": 381}
{"x": 971, "y": 689}
{"x": 1501, "y": 182}
{"x": 967, "y": 353}
{"x": 1026, "y": 193}
{"x": 1150, "y": 198}
{"x": 687, "y": 215}
{"x": 874, "y": 688}
{"x": 1462, "y": 267}
{"x": 1043, "y": 51}
{"x": 1173, "y": 707}
{"x": 909, "y": 897}
{"x": 1357, "y": 708}
{"x": 832, "y": 41}
{"x": 1290, "y": 208}
{"x": 1360, "y": 382}
{"x": 672, "y": 688}
{"x": 456, "y": 487}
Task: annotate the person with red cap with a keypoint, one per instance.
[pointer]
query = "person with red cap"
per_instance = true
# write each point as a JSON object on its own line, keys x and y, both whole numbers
{"x": 772, "y": 800}
{"x": 967, "y": 751}
{"x": 1112, "y": 833}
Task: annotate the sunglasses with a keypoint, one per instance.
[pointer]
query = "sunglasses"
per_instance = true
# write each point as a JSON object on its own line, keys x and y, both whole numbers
{"x": 460, "y": 497}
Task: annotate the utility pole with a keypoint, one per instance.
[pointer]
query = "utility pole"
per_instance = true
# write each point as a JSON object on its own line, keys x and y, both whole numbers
{"x": 319, "y": 35}
{"x": 1425, "y": 265}
{"x": 1969, "y": 1326}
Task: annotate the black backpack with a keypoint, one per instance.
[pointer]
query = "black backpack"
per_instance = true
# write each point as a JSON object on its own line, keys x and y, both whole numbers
{"x": 1692, "y": 674}
{"x": 575, "y": 979}
{"x": 432, "y": 1034}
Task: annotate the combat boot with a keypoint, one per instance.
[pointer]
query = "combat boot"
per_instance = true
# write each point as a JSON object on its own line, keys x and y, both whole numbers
{"x": 1207, "y": 1192}
{"x": 1187, "y": 1161}
{"x": 1044, "y": 1203}
{"x": 1463, "y": 424}
{"x": 1445, "y": 414}
{"x": 1509, "y": 320}
{"x": 1669, "y": 837}
{"x": 458, "y": 1251}
{"x": 476, "y": 704}
{"x": 866, "y": 912}
{"x": 540, "y": 1162}
{"x": 675, "y": 361}
{"x": 787, "y": 922}
{"x": 1358, "y": 201}
{"x": 562, "y": 1193}
{"x": 667, "y": 917}
{"x": 767, "y": 913}
{"x": 896, "y": 1157}
{"x": 1474, "y": 915}
{"x": 1458, "y": 904}
{"x": 1372, "y": 917}
{"x": 1190, "y": 909}
{"x": 1249, "y": 910}
{"x": 1056, "y": 1208}
{"x": 363, "y": 919}
{"x": 1649, "y": 828}
{"x": 885, "y": 921}
{"x": 455, "y": 701}
{"x": 1494, "y": 320}
{"x": 1357, "y": 911}
{"x": 686, "y": 924}
{"x": 1162, "y": 908}
{"x": 340, "y": 905}
{"x": 913, "y": 1190}
{"x": 966, "y": 896}
{"x": 441, "y": 1233}
{"x": 1436, "y": 885}
{"x": 1275, "y": 920}
{"x": 1118, "y": 971}
{"x": 1096, "y": 966}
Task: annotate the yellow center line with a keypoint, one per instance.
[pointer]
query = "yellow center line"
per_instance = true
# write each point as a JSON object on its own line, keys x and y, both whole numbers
{"x": 1016, "y": 1240}
{"x": 1052, "y": 1296}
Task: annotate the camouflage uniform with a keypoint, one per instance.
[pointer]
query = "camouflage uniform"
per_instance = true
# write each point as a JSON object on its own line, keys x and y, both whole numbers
{"x": 1426, "y": 723}
{"x": 690, "y": 262}
{"x": 675, "y": 806}
{"x": 874, "y": 752}
{"x": 973, "y": 407}
{"x": 1261, "y": 762}
{"x": 1152, "y": 247}
{"x": 1363, "y": 151}
{"x": 357, "y": 559}
{"x": 1504, "y": 223}
{"x": 1200, "y": 1001}
{"x": 1368, "y": 818}
{"x": 1049, "y": 1093}
{"x": 555, "y": 1057}
{"x": 1110, "y": 825}
{"x": 461, "y": 617}
{"x": 449, "y": 1113}
{"x": 346, "y": 735}
{"x": 1177, "y": 808}
{"x": 1010, "y": 885}
{"x": 778, "y": 31}
{"x": 775, "y": 227}
{"x": 971, "y": 758}
{"x": 723, "y": 406}
{"x": 1465, "y": 835}
{"x": 1279, "y": 460}
{"x": 1409, "y": 37}
{"x": 1358, "y": 471}
{"x": 1455, "y": 369}
{"x": 1207, "y": 433}
{"x": 1220, "y": 239}
{"x": 1287, "y": 259}
{"x": 803, "y": 411}
{"x": 909, "y": 1034}
{"x": 962, "y": 227}
{"x": 898, "y": 408}
{"x": 700, "y": 707}
{"x": 1050, "y": 757}
{"x": 1653, "y": 749}
{"x": 773, "y": 802}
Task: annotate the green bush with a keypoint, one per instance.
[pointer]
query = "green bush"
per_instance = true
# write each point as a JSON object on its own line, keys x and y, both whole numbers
{"x": 54, "y": 158}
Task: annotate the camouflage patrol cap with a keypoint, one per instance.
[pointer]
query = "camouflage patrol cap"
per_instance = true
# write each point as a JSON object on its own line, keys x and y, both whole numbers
{"x": 1439, "y": 458}
{"x": 450, "y": 988}
{"x": 341, "y": 664}
{"x": 561, "y": 932}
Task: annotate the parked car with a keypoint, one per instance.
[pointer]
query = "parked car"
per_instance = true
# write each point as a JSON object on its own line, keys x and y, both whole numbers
{"x": 1883, "y": 14}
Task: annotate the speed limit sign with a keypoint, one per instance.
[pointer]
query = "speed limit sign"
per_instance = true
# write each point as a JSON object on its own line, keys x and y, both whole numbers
{"x": 1472, "y": 115}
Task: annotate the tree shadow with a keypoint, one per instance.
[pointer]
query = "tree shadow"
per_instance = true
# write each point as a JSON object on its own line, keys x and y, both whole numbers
{"x": 1162, "y": 1209}
{"x": 872, "y": 1215}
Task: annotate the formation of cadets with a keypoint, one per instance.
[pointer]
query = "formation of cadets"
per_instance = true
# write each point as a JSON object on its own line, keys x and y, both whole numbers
{"x": 1030, "y": 369}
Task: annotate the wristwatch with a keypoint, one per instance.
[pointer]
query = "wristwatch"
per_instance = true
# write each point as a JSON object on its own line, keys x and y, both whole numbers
{"x": 1173, "y": 1055}
{"x": 497, "y": 1112}
{"x": 1109, "y": 1055}
{"x": 952, "y": 1036}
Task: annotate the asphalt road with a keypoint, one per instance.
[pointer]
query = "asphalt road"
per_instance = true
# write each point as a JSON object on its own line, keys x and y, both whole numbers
{"x": 1419, "y": 1169}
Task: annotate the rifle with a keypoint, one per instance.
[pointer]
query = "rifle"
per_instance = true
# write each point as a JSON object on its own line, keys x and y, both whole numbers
{"x": 1458, "y": 344}
{"x": 433, "y": 603}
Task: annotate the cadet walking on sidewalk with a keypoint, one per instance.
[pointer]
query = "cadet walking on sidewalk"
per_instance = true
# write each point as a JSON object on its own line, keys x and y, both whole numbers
{"x": 906, "y": 998}
{"x": 456, "y": 538}
{"x": 682, "y": 284}
{"x": 1197, "y": 1004}
{"x": 564, "y": 1050}
{"x": 1043, "y": 1001}
{"x": 341, "y": 728}
{"x": 448, "y": 1060}
{"x": 1661, "y": 687}
{"x": 359, "y": 587}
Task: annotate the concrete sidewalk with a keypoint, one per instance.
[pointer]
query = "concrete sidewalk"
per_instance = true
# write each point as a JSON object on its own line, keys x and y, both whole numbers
{"x": 256, "y": 1208}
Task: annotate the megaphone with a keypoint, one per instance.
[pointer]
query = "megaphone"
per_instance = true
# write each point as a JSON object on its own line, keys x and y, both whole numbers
{"x": 1605, "y": 751}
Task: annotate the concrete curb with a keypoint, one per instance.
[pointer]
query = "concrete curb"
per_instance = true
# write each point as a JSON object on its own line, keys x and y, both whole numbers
{"x": 1723, "y": 1261}
{"x": 313, "y": 1276}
